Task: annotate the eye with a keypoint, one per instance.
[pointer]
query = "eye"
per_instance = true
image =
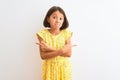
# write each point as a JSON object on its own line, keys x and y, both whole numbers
{"x": 54, "y": 17}
{"x": 61, "y": 18}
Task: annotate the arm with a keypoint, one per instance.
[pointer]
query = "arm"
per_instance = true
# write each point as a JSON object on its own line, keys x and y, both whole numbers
{"x": 67, "y": 49}
{"x": 46, "y": 51}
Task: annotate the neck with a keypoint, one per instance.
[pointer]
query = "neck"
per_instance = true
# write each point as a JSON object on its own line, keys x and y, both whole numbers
{"x": 55, "y": 31}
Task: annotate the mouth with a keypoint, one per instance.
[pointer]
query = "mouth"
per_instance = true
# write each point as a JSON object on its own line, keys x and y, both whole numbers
{"x": 57, "y": 25}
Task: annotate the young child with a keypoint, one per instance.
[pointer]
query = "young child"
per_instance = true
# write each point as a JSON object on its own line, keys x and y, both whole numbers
{"x": 55, "y": 46}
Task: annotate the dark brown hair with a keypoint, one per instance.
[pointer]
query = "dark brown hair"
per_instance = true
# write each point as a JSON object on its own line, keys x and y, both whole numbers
{"x": 49, "y": 13}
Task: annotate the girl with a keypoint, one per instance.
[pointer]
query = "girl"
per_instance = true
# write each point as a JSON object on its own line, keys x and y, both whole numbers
{"x": 55, "y": 46}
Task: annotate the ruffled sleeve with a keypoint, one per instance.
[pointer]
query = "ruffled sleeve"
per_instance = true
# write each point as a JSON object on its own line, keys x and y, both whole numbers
{"x": 68, "y": 33}
{"x": 41, "y": 34}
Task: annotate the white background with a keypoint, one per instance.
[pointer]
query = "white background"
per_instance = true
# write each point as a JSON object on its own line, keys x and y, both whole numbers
{"x": 95, "y": 24}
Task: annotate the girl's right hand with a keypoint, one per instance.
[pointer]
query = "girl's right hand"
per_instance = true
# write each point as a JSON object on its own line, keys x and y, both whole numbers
{"x": 44, "y": 46}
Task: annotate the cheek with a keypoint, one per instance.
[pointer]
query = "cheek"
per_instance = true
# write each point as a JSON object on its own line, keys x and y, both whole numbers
{"x": 62, "y": 21}
{"x": 51, "y": 21}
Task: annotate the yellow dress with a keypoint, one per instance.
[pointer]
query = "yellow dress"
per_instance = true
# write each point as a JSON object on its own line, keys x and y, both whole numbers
{"x": 57, "y": 68}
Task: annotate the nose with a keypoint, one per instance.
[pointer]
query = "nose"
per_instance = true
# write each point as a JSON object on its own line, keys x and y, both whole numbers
{"x": 58, "y": 20}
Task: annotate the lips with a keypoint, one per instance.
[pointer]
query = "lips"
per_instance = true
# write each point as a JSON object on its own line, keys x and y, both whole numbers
{"x": 57, "y": 25}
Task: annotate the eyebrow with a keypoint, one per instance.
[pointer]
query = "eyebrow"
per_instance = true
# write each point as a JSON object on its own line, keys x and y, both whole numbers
{"x": 60, "y": 15}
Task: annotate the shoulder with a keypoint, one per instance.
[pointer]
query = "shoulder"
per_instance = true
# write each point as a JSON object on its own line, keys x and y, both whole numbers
{"x": 67, "y": 33}
{"x": 42, "y": 31}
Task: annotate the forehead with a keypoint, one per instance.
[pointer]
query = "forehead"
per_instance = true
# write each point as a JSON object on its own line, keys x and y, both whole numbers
{"x": 57, "y": 13}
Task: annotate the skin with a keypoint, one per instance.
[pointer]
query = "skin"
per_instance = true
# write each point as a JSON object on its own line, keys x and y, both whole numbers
{"x": 55, "y": 20}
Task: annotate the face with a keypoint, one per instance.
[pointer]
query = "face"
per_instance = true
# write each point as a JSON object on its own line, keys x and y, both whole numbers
{"x": 56, "y": 20}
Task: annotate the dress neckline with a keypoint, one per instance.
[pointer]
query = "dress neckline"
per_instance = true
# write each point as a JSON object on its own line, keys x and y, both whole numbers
{"x": 52, "y": 34}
